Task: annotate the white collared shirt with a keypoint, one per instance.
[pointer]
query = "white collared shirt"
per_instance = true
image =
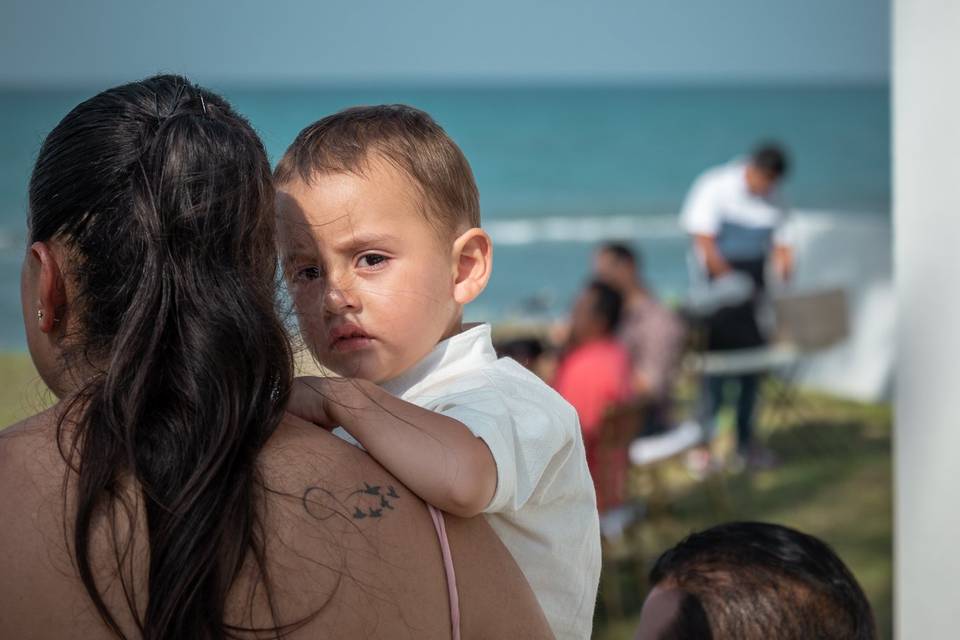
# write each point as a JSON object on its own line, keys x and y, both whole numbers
{"x": 544, "y": 509}
{"x": 722, "y": 206}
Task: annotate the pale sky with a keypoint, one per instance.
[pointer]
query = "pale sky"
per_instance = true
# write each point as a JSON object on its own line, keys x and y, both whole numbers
{"x": 360, "y": 41}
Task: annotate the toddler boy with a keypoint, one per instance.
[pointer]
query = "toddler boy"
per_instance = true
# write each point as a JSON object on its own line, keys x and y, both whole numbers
{"x": 380, "y": 225}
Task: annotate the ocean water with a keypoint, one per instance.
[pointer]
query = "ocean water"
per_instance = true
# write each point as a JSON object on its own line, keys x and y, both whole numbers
{"x": 559, "y": 168}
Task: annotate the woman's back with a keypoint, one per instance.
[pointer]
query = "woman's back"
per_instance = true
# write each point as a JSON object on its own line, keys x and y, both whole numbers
{"x": 349, "y": 552}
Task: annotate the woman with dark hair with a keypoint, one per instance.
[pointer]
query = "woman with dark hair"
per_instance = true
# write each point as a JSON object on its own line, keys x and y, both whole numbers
{"x": 167, "y": 494}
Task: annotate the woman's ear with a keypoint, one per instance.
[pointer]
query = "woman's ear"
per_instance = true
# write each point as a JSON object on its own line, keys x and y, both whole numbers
{"x": 50, "y": 292}
{"x": 473, "y": 261}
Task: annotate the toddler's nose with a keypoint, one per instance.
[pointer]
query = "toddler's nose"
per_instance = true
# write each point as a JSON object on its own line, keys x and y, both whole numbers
{"x": 339, "y": 300}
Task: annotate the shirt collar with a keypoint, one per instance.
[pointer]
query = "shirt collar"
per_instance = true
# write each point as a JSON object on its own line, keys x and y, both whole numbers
{"x": 467, "y": 350}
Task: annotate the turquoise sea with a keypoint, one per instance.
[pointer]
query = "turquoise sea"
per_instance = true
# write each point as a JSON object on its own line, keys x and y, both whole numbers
{"x": 559, "y": 168}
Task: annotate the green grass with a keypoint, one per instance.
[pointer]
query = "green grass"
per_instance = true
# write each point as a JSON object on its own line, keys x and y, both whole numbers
{"x": 834, "y": 482}
{"x": 22, "y": 392}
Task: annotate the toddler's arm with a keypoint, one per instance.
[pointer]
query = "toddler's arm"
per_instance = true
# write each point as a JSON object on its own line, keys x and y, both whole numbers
{"x": 437, "y": 457}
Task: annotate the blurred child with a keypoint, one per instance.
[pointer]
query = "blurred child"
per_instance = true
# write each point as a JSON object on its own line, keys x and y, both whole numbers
{"x": 594, "y": 373}
{"x": 379, "y": 217}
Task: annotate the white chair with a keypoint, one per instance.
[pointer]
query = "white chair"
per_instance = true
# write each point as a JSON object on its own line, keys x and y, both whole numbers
{"x": 808, "y": 323}
{"x": 814, "y": 320}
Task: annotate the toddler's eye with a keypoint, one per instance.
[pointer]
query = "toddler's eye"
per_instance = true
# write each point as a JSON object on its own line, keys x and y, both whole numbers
{"x": 372, "y": 261}
{"x": 306, "y": 274}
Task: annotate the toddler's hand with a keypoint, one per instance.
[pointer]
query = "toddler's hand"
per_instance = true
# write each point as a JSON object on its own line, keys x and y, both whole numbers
{"x": 310, "y": 399}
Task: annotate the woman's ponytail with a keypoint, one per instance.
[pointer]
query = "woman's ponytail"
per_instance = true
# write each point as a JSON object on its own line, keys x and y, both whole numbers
{"x": 163, "y": 195}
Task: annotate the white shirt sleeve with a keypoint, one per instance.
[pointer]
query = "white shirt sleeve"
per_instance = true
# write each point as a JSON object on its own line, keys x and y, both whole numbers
{"x": 524, "y": 437}
{"x": 701, "y": 213}
{"x": 784, "y": 234}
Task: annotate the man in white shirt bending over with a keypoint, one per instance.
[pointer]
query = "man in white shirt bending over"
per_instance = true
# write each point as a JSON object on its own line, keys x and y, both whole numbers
{"x": 736, "y": 220}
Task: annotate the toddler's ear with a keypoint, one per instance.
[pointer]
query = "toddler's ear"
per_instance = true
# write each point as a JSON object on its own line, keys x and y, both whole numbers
{"x": 473, "y": 261}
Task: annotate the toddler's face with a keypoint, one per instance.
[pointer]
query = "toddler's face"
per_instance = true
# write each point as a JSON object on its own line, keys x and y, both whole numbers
{"x": 371, "y": 281}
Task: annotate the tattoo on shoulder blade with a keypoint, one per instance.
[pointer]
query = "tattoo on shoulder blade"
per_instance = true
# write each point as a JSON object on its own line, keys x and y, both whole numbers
{"x": 368, "y": 501}
{"x": 374, "y": 500}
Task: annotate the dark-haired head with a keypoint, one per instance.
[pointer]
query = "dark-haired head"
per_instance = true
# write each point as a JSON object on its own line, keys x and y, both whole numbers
{"x": 768, "y": 165}
{"x": 607, "y": 305}
{"x": 596, "y": 312}
{"x": 619, "y": 265}
{"x": 754, "y": 581}
{"x": 771, "y": 158}
{"x": 148, "y": 291}
{"x": 621, "y": 251}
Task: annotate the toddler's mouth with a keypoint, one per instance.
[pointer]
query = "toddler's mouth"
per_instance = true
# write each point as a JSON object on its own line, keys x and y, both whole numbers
{"x": 348, "y": 337}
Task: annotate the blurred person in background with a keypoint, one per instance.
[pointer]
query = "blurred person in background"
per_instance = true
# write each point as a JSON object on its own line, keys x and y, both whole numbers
{"x": 754, "y": 581}
{"x": 593, "y": 374}
{"x": 736, "y": 219}
{"x": 652, "y": 334}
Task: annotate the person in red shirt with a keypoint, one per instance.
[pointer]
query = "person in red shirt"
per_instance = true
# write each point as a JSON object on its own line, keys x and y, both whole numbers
{"x": 594, "y": 372}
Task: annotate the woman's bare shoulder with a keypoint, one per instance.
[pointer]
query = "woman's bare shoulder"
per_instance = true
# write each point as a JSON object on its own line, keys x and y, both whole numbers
{"x": 34, "y": 554}
{"x": 31, "y": 462}
{"x": 348, "y": 542}
{"x": 383, "y": 546}
{"x": 318, "y": 482}
{"x": 305, "y": 461}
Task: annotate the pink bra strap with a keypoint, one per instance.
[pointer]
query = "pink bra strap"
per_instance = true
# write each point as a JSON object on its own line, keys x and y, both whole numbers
{"x": 441, "y": 528}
